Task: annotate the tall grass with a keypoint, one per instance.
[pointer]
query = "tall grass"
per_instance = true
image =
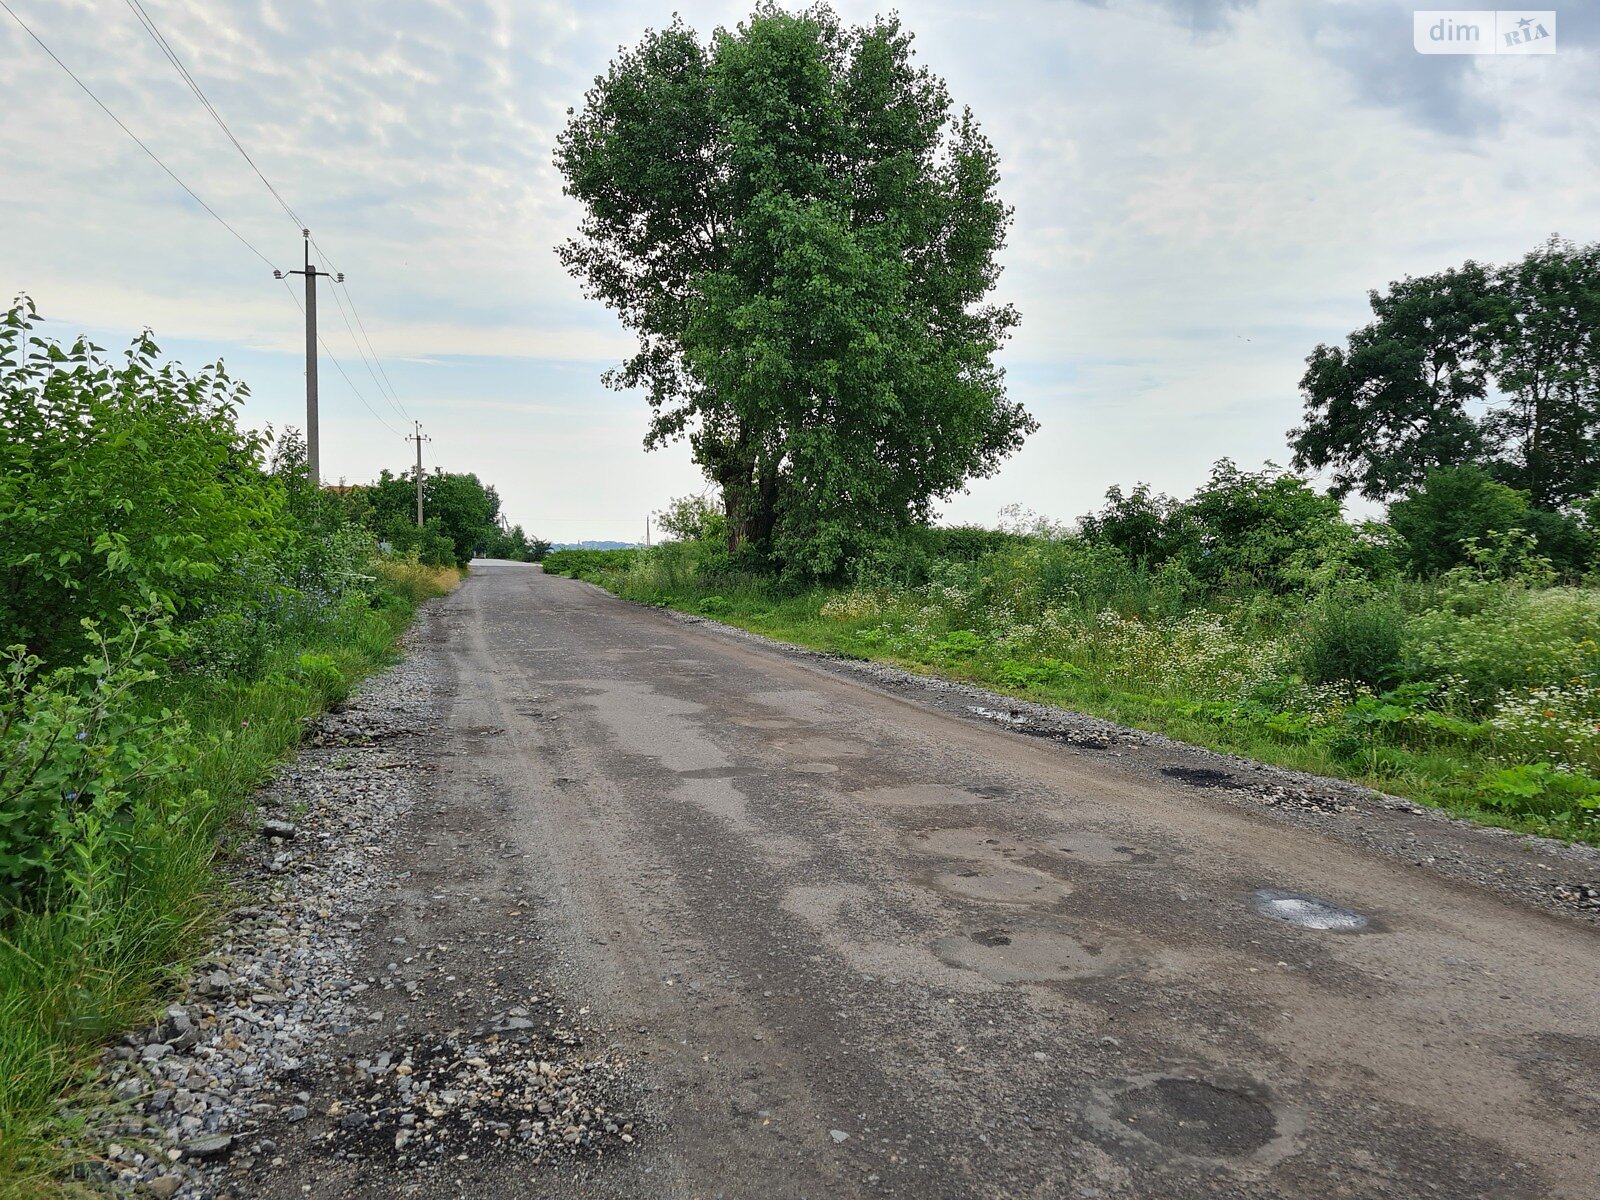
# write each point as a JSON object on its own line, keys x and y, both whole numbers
{"x": 101, "y": 956}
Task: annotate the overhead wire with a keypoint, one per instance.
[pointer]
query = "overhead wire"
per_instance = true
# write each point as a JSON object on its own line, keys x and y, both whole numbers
{"x": 363, "y": 327}
{"x": 154, "y": 157}
{"x": 337, "y": 364}
{"x": 393, "y": 403}
{"x": 148, "y": 23}
{"x": 349, "y": 296}
{"x": 165, "y": 47}
{"x": 384, "y": 385}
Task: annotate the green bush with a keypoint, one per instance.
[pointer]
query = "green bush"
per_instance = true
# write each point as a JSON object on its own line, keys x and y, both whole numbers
{"x": 1355, "y": 643}
{"x": 320, "y": 673}
{"x": 80, "y": 751}
{"x": 123, "y": 485}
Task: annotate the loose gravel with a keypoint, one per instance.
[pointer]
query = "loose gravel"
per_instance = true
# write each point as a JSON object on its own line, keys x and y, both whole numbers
{"x": 260, "y": 1039}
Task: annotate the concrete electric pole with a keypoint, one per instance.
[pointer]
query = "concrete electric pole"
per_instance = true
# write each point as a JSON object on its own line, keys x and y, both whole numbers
{"x": 313, "y": 445}
{"x": 419, "y": 437}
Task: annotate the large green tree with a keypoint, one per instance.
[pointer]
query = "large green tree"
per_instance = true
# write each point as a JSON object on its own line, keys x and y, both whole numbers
{"x": 803, "y": 234}
{"x": 1499, "y": 367}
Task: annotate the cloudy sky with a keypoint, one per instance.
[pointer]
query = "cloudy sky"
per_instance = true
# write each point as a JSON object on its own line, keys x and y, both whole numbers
{"x": 1204, "y": 189}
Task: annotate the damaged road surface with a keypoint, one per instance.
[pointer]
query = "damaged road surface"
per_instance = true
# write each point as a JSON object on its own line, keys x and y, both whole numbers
{"x": 753, "y": 924}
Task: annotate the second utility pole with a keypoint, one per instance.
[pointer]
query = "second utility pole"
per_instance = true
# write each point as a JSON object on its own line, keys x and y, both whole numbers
{"x": 419, "y": 437}
{"x": 313, "y": 441}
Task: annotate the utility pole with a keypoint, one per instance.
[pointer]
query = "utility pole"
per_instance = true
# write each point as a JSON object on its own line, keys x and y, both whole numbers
{"x": 419, "y": 437}
{"x": 313, "y": 442}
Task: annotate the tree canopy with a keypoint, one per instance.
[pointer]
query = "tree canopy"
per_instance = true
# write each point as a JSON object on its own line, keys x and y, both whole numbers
{"x": 1495, "y": 366}
{"x": 803, "y": 234}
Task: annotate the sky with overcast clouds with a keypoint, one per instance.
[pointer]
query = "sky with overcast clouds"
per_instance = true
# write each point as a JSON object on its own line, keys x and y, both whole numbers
{"x": 1204, "y": 190}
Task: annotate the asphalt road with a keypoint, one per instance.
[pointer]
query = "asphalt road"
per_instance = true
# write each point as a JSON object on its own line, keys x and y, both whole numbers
{"x": 852, "y": 943}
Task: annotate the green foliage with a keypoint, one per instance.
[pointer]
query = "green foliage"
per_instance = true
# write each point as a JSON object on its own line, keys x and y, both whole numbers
{"x": 174, "y": 609}
{"x": 121, "y": 486}
{"x": 1355, "y": 642}
{"x": 1263, "y": 529}
{"x": 803, "y": 233}
{"x": 1241, "y": 531}
{"x": 1569, "y": 798}
{"x": 1490, "y": 640}
{"x": 461, "y": 518}
{"x": 1453, "y": 506}
{"x": 1520, "y": 342}
{"x": 1148, "y": 529}
{"x": 693, "y": 519}
{"x": 593, "y": 565}
{"x": 77, "y": 747}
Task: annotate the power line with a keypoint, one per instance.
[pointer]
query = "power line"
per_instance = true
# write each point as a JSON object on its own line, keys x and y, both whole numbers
{"x": 384, "y": 385}
{"x": 392, "y": 395}
{"x": 370, "y": 346}
{"x": 334, "y": 359}
{"x": 153, "y": 155}
{"x": 165, "y": 47}
{"x": 393, "y": 403}
{"x": 171, "y": 55}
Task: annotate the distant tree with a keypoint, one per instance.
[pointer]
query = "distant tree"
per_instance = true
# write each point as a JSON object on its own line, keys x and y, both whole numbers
{"x": 1148, "y": 528}
{"x": 458, "y": 508}
{"x": 1545, "y": 355}
{"x": 1494, "y": 366}
{"x": 693, "y": 519}
{"x": 1394, "y": 403}
{"x": 802, "y": 234}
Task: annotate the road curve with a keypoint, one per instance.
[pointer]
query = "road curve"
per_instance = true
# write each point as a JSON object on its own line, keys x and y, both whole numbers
{"x": 854, "y": 945}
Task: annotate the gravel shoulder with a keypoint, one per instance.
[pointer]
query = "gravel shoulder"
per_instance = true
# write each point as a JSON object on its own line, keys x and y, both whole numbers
{"x": 315, "y": 1036}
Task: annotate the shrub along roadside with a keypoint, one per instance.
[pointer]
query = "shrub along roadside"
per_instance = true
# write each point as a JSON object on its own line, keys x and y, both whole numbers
{"x": 133, "y": 894}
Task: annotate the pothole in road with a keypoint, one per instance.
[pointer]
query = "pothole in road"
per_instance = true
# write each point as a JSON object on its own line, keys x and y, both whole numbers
{"x": 815, "y": 768}
{"x": 1101, "y": 850}
{"x": 924, "y": 795}
{"x": 1007, "y": 955}
{"x": 1197, "y": 1118}
{"x": 970, "y": 843}
{"x": 1201, "y": 777}
{"x": 1002, "y": 885}
{"x": 1308, "y": 912}
{"x": 811, "y": 748}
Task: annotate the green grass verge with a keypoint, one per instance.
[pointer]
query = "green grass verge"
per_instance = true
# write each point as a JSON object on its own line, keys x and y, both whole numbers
{"x": 69, "y": 980}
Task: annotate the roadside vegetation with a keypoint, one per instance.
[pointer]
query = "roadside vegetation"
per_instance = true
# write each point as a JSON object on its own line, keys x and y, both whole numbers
{"x": 176, "y": 600}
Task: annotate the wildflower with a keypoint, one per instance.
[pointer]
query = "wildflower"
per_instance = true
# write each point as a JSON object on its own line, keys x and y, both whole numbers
{"x": 82, "y": 736}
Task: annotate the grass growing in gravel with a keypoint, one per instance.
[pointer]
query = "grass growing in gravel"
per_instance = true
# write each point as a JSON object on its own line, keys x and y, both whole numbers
{"x": 1478, "y": 691}
{"x": 76, "y": 973}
